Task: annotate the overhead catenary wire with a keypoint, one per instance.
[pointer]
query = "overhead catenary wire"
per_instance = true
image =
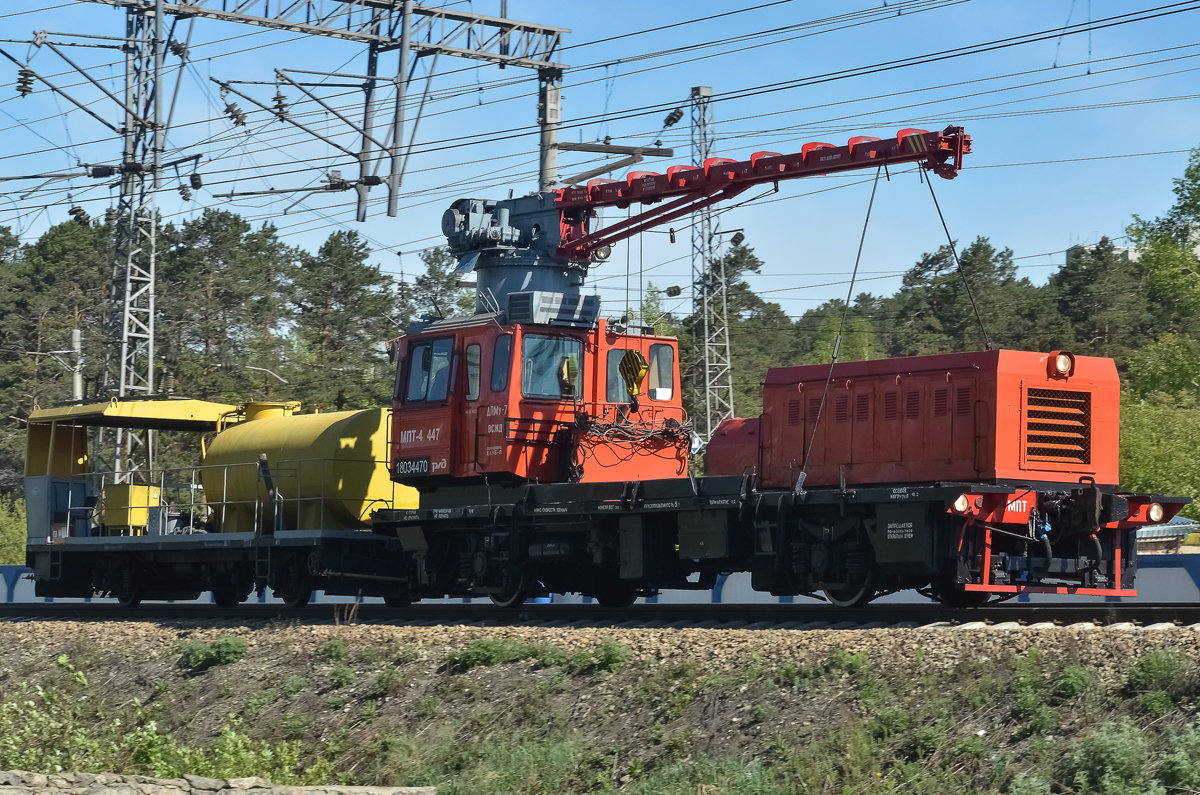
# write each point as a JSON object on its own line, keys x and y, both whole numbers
{"x": 264, "y": 166}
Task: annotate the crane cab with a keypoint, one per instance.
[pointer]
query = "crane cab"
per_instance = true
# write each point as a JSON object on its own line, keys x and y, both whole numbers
{"x": 479, "y": 401}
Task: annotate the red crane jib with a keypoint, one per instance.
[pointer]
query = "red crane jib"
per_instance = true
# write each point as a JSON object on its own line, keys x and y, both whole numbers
{"x": 694, "y": 188}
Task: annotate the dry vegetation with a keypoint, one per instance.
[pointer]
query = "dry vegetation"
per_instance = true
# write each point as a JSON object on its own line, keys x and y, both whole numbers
{"x": 511, "y": 710}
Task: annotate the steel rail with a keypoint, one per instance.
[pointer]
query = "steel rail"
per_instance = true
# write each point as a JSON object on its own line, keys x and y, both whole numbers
{"x": 721, "y": 616}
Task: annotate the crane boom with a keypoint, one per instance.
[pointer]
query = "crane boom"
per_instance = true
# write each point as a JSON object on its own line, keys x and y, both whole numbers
{"x": 692, "y": 188}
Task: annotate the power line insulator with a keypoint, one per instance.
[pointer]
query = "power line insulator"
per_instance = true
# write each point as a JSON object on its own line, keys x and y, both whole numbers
{"x": 195, "y": 181}
{"x": 178, "y": 49}
{"x": 235, "y": 114}
{"x": 25, "y": 81}
{"x": 79, "y": 215}
{"x": 673, "y": 118}
{"x": 102, "y": 171}
{"x": 110, "y": 215}
{"x": 281, "y": 107}
{"x": 185, "y": 193}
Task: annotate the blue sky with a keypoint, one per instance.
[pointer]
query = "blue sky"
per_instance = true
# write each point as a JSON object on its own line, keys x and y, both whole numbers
{"x": 1055, "y": 126}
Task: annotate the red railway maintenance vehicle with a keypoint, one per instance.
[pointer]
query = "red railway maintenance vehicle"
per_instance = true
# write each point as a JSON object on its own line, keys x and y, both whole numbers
{"x": 548, "y": 449}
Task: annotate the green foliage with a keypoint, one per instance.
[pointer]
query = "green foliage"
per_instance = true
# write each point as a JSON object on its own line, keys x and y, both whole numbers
{"x": 1159, "y": 437}
{"x": 12, "y": 531}
{"x": 342, "y": 676}
{"x": 294, "y": 685}
{"x": 1113, "y": 760}
{"x": 1165, "y": 670}
{"x": 1029, "y": 694}
{"x": 1071, "y": 682}
{"x": 1155, "y": 703}
{"x": 609, "y": 655}
{"x": 1180, "y": 768}
{"x": 341, "y": 308}
{"x": 1026, "y": 784}
{"x": 932, "y": 312}
{"x": 842, "y": 660}
{"x": 63, "y": 728}
{"x": 386, "y": 682}
{"x": 200, "y": 656}
{"x": 491, "y": 651}
{"x": 334, "y": 650}
{"x": 435, "y": 292}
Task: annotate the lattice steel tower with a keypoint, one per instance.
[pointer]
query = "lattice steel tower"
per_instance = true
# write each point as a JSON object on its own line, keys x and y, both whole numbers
{"x": 709, "y": 289}
{"x": 130, "y": 320}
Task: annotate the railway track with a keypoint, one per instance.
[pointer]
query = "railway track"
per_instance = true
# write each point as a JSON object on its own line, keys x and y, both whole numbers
{"x": 714, "y": 616}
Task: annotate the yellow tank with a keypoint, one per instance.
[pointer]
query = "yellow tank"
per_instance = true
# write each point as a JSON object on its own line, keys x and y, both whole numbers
{"x": 330, "y": 470}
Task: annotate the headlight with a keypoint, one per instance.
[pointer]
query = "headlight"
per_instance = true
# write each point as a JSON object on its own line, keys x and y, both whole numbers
{"x": 1154, "y": 512}
{"x": 962, "y": 504}
{"x": 1063, "y": 363}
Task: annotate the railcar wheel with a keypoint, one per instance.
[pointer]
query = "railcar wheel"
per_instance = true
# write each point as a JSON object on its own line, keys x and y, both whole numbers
{"x": 509, "y": 599}
{"x": 951, "y": 595}
{"x": 294, "y": 600}
{"x": 226, "y": 597}
{"x": 851, "y": 595}
{"x": 128, "y": 598}
{"x": 616, "y": 595}
{"x": 398, "y": 599}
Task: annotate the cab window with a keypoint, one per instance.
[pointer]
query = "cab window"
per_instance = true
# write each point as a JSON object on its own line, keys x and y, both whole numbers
{"x": 472, "y": 372}
{"x": 660, "y": 379}
{"x": 501, "y": 361}
{"x": 429, "y": 370}
{"x": 614, "y": 385}
{"x": 551, "y": 367}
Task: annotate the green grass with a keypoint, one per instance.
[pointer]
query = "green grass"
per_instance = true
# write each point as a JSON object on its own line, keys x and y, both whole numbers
{"x": 200, "y": 656}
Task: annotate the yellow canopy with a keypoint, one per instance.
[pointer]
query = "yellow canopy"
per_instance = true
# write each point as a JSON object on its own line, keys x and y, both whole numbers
{"x": 162, "y": 415}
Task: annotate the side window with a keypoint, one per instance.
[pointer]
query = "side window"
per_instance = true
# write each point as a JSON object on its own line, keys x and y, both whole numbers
{"x": 429, "y": 370}
{"x": 660, "y": 380}
{"x": 552, "y": 367}
{"x": 501, "y": 361}
{"x": 472, "y": 372}
{"x": 614, "y": 385}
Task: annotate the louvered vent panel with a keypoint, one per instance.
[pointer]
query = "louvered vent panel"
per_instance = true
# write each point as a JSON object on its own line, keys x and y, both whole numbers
{"x": 962, "y": 401}
{"x": 841, "y": 408}
{"x": 814, "y": 407}
{"x": 1058, "y": 426}
{"x": 891, "y": 405}
{"x": 912, "y": 405}
{"x": 941, "y": 402}
{"x": 793, "y": 412}
{"x": 862, "y": 408}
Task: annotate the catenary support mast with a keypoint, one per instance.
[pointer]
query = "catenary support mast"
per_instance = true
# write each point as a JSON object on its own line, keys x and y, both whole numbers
{"x": 709, "y": 293}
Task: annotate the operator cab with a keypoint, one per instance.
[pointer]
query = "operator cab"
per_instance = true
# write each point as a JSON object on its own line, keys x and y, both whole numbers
{"x": 476, "y": 400}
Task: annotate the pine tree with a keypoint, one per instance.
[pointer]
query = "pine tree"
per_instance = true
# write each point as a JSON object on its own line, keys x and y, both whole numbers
{"x": 435, "y": 293}
{"x": 221, "y": 308}
{"x": 343, "y": 309}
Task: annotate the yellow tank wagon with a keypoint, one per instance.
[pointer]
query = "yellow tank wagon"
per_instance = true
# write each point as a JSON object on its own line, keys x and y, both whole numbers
{"x": 225, "y": 499}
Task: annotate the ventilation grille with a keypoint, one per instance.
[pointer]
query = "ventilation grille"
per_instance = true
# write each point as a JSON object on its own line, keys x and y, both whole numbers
{"x": 841, "y": 408}
{"x": 962, "y": 405}
{"x": 941, "y": 402}
{"x": 912, "y": 405}
{"x": 1058, "y": 426}
{"x": 862, "y": 408}
{"x": 793, "y": 417}
{"x": 890, "y": 403}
